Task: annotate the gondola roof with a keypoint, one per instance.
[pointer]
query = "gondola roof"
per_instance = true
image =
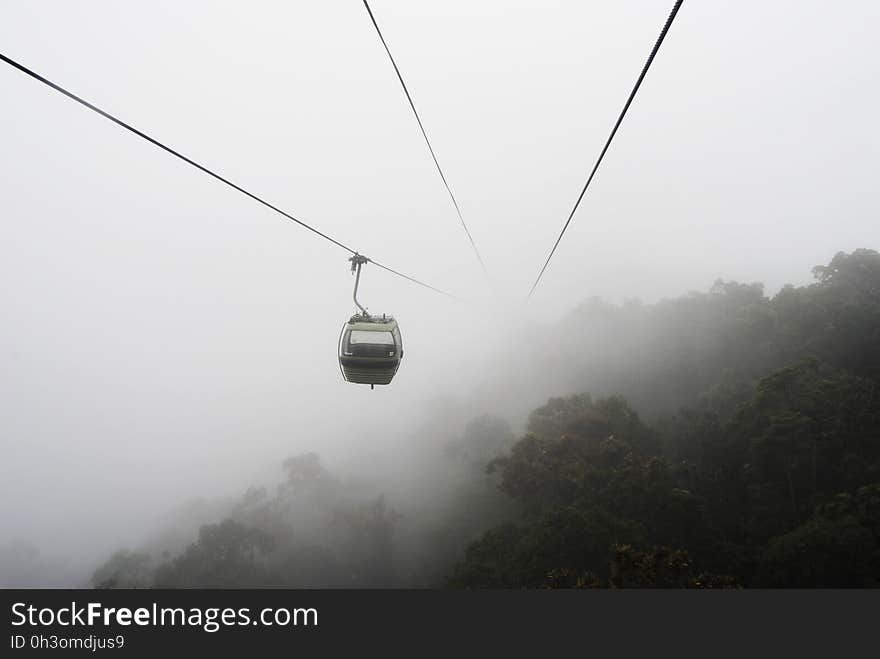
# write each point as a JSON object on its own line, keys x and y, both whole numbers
{"x": 371, "y": 323}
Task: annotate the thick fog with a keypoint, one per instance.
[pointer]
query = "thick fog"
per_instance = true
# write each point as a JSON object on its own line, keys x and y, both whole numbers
{"x": 165, "y": 338}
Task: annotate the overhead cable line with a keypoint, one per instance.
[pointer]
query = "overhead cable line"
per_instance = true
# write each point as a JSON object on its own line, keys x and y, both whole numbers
{"x": 610, "y": 137}
{"x": 204, "y": 169}
{"x": 427, "y": 141}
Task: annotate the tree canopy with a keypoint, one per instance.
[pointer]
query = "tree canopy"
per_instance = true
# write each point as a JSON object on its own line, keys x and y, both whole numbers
{"x": 756, "y": 462}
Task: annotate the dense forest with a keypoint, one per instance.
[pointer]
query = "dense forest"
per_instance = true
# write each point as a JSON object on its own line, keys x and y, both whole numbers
{"x": 720, "y": 439}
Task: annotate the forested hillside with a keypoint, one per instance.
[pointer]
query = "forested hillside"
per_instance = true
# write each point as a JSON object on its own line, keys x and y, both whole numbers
{"x": 721, "y": 439}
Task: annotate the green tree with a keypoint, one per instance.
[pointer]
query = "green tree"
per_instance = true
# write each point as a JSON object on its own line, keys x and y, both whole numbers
{"x": 125, "y": 569}
{"x": 589, "y": 481}
{"x": 839, "y": 546}
{"x": 226, "y": 555}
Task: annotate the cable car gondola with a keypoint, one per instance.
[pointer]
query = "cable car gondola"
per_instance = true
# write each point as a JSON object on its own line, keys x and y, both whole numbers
{"x": 370, "y": 346}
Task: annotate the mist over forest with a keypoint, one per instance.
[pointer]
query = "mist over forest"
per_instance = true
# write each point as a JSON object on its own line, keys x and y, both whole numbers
{"x": 722, "y": 438}
{"x": 683, "y": 401}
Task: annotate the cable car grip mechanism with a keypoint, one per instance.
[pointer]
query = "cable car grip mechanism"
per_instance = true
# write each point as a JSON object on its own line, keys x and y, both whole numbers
{"x": 358, "y": 260}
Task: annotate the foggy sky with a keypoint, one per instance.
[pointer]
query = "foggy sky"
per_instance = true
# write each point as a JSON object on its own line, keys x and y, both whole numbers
{"x": 165, "y": 337}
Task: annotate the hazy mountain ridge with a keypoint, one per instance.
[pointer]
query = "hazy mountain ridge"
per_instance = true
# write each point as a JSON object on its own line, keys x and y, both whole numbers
{"x": 724, "y": 492}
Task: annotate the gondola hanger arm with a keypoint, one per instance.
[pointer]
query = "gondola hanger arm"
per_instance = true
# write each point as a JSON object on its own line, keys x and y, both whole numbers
{"x": 358, "y": 260}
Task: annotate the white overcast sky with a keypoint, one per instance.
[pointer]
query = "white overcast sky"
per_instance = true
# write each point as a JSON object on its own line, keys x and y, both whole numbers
{"x": 164, "y": 336}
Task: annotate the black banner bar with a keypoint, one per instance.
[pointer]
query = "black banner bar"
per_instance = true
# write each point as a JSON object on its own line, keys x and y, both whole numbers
{"x": 417, "y": 622}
